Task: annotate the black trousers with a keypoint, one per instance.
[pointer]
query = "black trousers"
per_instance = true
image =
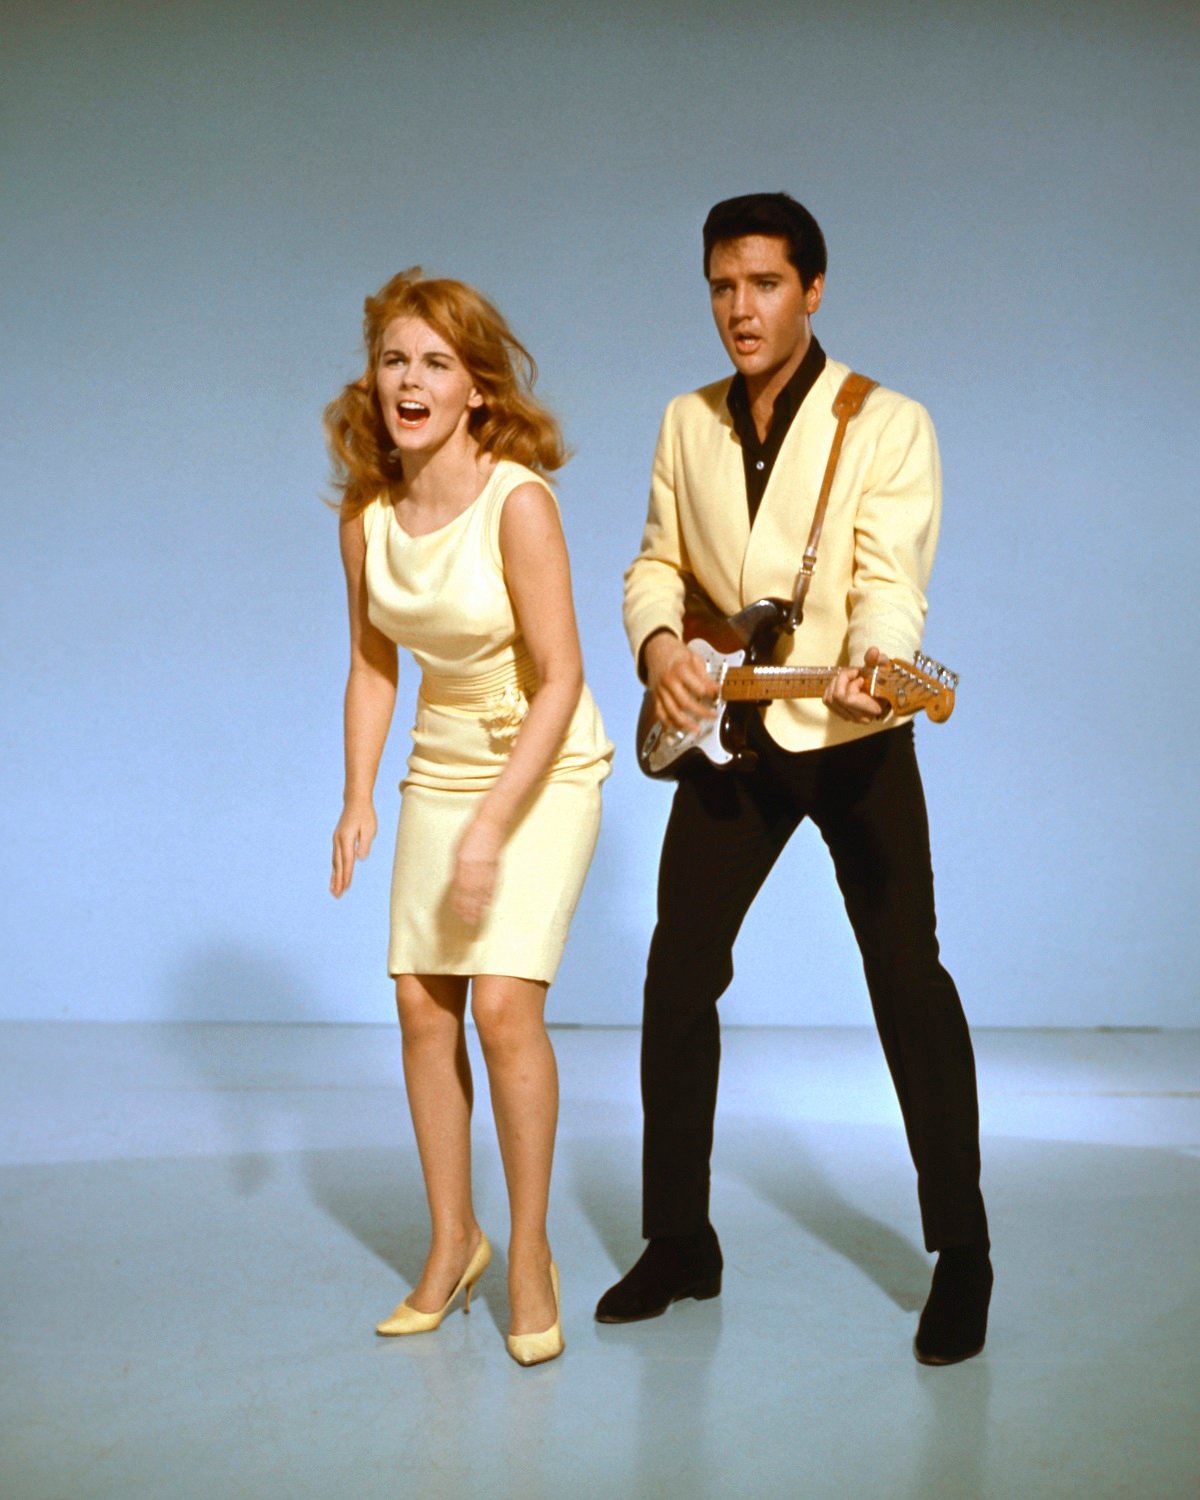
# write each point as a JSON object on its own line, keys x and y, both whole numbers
{"x": 726, "y": 830}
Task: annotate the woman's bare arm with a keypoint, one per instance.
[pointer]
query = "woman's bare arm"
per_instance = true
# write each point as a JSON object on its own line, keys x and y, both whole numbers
{"x": 370, "y": 700}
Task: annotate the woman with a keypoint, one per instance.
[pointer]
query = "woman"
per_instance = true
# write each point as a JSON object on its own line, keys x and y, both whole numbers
{"x": 452, "y": 547}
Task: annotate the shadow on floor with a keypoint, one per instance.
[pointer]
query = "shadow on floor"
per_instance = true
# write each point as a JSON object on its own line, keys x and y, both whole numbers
{"x": 603, "y": 1180}
{"x": 377, "y": 1196}
{"x": 775, "y": 1161}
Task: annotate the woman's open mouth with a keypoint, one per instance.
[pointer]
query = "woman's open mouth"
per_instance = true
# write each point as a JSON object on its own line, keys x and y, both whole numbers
{"x": 412, "y": 413}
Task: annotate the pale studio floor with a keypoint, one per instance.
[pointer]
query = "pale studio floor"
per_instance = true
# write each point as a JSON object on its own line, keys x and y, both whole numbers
{"x": 201, "y": 1225}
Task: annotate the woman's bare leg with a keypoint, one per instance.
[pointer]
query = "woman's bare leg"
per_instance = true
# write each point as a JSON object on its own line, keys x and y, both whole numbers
{"x": 437, "y": 1074}
{"x": 510, "y": 1017}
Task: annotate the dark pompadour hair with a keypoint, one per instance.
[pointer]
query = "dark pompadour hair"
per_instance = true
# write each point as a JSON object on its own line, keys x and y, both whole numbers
{"x": 769, "y": 213}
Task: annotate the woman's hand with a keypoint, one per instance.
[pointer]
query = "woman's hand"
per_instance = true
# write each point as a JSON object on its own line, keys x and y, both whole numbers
{"x": 475, "y": 866}
{"x": 352, "y": 839}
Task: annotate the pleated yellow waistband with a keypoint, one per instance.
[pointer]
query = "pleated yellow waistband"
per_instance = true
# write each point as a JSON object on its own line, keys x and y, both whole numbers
{"x": 482, "y": 689}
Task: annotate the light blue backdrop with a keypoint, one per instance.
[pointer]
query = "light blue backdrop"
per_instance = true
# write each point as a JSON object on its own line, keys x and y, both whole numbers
{"x": 196, "y": 199}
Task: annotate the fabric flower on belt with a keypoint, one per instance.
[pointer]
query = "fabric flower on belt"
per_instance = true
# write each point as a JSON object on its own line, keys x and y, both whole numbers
{"x": 504, "y": 714}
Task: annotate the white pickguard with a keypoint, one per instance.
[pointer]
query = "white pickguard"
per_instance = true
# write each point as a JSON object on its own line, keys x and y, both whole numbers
{"x": 662, "y": 746}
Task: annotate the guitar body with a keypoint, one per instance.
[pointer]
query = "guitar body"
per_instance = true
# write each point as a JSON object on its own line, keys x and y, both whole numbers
{"x": 745, "y": 639}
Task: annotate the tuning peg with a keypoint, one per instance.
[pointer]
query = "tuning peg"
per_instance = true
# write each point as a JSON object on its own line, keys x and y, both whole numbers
{"x": 935, "y": 669}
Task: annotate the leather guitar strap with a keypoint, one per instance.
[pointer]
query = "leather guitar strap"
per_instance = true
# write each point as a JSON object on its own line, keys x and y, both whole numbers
{"x": 847, "y": 403}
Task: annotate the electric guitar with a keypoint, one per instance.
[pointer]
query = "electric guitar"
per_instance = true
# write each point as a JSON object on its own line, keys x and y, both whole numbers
{"x": 737, "y": 653}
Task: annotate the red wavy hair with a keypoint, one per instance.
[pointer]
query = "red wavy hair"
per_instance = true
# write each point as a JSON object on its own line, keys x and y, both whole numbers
{"x": 509, "y": 424}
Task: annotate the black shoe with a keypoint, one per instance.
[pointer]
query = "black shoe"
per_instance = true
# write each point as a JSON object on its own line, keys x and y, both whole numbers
{"x": 954, "y": 1324}
{"x": 670, "y": 1268}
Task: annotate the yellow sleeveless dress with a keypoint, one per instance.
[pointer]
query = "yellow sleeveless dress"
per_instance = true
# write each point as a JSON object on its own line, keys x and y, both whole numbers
{"x": 442, "y": 596}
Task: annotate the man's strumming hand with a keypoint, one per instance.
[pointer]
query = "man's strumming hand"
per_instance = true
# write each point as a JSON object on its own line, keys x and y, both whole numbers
{"x": 679, "y": 681}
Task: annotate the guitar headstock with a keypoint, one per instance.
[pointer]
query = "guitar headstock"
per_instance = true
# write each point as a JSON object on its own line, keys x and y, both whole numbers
{"x": 909, "y": 687}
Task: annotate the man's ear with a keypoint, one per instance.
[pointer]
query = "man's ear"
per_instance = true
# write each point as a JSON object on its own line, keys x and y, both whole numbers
{"x": 812, "y": 294}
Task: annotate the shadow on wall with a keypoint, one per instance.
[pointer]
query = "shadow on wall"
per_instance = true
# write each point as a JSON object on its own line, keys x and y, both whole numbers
{"x": 235, "y": 980}
{"x": 288, "y": 1085}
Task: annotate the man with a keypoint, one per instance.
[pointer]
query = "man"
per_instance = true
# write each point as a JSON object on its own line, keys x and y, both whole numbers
{"x": 736, "y": 476}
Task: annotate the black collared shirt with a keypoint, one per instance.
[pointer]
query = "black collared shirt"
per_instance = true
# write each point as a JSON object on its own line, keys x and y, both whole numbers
{"x": 758, "y": 459}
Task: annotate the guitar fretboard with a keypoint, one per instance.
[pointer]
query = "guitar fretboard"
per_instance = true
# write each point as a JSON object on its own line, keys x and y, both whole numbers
{"x": 759, "y": 683}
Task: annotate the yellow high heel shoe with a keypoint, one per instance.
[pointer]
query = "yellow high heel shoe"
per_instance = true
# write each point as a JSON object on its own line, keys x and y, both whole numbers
{"x": 537, "y": 1348}
{"x": 407, "y": 1319}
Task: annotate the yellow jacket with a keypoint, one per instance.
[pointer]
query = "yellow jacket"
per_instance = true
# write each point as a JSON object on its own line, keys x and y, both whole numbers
{"x": 876, "y": 548}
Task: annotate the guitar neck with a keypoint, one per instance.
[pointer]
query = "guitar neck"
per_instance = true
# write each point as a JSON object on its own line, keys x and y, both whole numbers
{"x": 740, "y": 684}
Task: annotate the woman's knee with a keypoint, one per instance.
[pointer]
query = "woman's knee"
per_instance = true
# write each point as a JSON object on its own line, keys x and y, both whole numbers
{"x": 507, "y": 1019}
{"x": 424, "y": 1016}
